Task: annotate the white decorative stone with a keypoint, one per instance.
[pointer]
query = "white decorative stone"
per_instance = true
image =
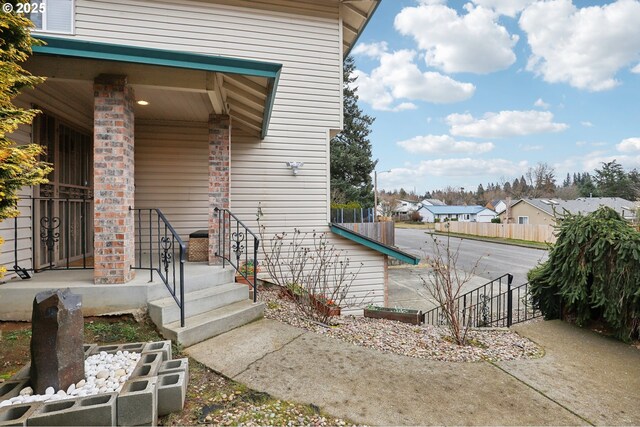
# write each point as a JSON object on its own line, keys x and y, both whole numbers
{"x": 49, "y": 391}
{"x": 80, "y": 383}
{"x": 27, "y": 391}
{"x": 103, "y": 374}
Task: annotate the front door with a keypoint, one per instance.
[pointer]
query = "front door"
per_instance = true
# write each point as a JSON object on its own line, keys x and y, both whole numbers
{"x": 64, "y": 206}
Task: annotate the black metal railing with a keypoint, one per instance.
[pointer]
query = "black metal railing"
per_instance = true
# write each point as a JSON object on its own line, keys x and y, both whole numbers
{"x": 490, "y": 305}
{"x": 62, "y": 227}
{"x": 166, "y": 252}
{"x": 234, "y": 246}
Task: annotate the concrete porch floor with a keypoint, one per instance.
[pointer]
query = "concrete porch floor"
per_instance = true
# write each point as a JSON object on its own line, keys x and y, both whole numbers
{"x": 16, "y": 295}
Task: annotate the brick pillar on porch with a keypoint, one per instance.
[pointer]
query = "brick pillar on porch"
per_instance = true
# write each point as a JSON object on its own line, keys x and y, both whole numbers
{"x": 113, "y": 136}
{"x": 219, "y": 176}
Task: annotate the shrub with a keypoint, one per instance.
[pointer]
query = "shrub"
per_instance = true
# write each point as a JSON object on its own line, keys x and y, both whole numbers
{"x": 592, "y": 273}
{"x": 495, "y": 220}
{"x": 415, "y": 216}
{"x": 436, "y": 220}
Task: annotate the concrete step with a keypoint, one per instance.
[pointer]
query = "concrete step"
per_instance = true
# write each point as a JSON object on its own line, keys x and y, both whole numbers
{"x": 197, "y": 276}
{"x": 215, "y": 322}
{"x": 165, "y": 310}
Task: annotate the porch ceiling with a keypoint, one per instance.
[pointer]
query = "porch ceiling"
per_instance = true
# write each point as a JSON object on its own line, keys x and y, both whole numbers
{"x": 177, "y": 85}
{"x": 355, "y": 17}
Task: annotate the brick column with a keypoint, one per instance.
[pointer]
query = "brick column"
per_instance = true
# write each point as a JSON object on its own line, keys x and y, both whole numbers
{"x": 219, "y": 176}
{"x": 113, "y": 144}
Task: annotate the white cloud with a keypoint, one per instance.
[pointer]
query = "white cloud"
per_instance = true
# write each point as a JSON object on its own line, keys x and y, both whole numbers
{"x": 587, "y": 124}
{"x": 444, "y": 144}
{"x": 629, "y": 145}
{"x": 373, "y": 50}
{"x": 531, "y": 147}
{"x": 540, "y": 103}
{"x": 505, "y": 7}
{"x": 636, "y": 69}
{"x": 583, "y": 47}
{"x": 473, "y": 42}
{"x": 478, "y": 169}
{"x": 581, "y": 143}
{"x": 503, "y": 124}
{"x": 398, "y": 77}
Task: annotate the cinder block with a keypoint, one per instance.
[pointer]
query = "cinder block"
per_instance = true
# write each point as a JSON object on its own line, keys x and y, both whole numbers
{"x": 112, "y": 349}
{"x": 88, "y": 349}
{"x": 171, "y": 393}
{"x": 138, "y": 402}
{"x": 164, "y": 346}
{"x": 97, "y": 410}
{"x": 148, "y": 365}
{"x": 23, "y": 373}
{"x": 17, "y": 415}
{"x": 9, "y": 389}
{"x": 174, "y": 366}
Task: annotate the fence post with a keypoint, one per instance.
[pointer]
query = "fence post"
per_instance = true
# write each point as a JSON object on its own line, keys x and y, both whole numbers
{"x": 509, "y": 301}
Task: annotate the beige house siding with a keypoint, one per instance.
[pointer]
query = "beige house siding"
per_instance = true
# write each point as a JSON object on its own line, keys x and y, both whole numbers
{"x": 303, "y": 36}
{"x": 536, "y": 216}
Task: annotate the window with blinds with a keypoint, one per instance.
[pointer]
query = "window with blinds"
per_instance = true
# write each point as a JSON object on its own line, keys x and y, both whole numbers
{"x": 55, "y": 16}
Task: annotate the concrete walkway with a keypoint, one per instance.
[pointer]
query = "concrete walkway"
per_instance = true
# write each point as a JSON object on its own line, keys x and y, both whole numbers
{"x": 583, "y": 379}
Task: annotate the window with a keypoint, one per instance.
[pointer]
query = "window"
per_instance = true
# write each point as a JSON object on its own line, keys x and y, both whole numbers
{"x": 54, "y": 16}
{"x": 523, "y": 220}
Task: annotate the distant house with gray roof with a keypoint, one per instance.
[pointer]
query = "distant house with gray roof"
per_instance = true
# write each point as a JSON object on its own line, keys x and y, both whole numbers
{"x": 457, "y": 213}
{"x": 544, "y": 211}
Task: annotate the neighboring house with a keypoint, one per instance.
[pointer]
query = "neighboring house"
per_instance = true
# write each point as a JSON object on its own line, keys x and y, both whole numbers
{"x": 432, "y": 202}
{"x": 498, "y": 206}
{"x": 458, "y": 213}
{"x": 189, "y": 107}
{"x": 405, "y": 207}
{"x": 544, "y": 211}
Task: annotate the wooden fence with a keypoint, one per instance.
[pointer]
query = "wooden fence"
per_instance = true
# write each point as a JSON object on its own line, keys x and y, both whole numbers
{"x": 383, "y": 232}
{"x": 532, "y": 233}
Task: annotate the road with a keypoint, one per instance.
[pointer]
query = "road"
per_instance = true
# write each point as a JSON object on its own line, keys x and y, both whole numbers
{"x": 495, "y": 259}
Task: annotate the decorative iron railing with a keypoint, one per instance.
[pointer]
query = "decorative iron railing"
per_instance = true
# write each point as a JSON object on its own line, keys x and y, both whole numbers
{"x": 490, "y": 305}
{"x": 62, "y": 228}
{"x": 166, "y": 252}
{"x": 236, "y": 241}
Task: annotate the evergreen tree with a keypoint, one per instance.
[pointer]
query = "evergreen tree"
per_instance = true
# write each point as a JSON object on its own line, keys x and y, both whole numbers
{"x": 507, "y": 188}
{"x": 351, "y": 162}
{"x": 612, "y": 181}
{"x": 567, "y": 181}
{"x": 19, "y": 165}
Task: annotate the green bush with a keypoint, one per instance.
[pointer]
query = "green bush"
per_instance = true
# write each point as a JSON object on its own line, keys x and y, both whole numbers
{"x": 592, "y": 273}
{"x": 495, "y": 220}
{"x": 436, "y": 220}
{"x": 350, "y": 205}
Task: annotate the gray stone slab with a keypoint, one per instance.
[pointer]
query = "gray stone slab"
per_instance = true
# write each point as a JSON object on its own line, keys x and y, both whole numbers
{"x": 594, "y": 376}
{"x": 374, "y": 388}
{"x": 243, "y": 346}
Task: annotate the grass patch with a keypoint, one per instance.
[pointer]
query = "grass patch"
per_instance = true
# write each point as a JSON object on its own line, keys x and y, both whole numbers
{"x": 415, "y": 225}
{"x": 528, "y": 243}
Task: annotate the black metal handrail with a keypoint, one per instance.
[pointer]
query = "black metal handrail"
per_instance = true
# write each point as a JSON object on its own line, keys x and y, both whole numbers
{"x": 487, "y": 305}
{"x": 61, "y": 225}
{"x": 234, "y": 236}
{"x": 155, "y": 233}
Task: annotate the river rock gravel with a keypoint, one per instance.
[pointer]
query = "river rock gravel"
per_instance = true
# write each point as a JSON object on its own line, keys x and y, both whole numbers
{"x": 424, "y": 342}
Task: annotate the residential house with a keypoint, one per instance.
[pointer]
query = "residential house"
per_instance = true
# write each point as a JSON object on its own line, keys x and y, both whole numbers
{"x": 457, "y": 213}
{"x": 432, "y": 202}
{"x": 497, "y": 205}
{"x": 405, "y": 207}
{"x": 545, "y": 211}
{"x": 160, "y": 120}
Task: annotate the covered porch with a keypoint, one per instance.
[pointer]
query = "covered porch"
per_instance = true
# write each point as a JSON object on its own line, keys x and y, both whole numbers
{"x": 140, "y": 140}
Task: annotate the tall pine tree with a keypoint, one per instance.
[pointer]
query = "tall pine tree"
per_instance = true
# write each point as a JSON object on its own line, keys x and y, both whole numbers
{"x": 351, "y": 162}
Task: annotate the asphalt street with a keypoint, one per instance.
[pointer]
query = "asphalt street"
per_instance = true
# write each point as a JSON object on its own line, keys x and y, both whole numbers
{"x": 494, "y": 259}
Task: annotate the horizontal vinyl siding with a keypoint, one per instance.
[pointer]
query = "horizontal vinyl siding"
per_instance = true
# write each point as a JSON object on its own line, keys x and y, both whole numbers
{"x": 171, "y": 168}
{"x": 171, "y": 173}
{"x": 24, "y": 243}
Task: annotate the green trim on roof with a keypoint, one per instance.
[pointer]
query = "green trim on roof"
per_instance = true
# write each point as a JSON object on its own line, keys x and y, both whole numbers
{"x": 373, "y": 12}
{"x": 375, "y": 245}
{"x": 167, "y": 58}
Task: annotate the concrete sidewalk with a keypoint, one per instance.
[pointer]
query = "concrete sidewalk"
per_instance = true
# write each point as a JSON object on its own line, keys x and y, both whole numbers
{"x": 584, "y": 378}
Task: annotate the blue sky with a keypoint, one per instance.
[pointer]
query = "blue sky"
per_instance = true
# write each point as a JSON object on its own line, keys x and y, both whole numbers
{"x": 474, "y": 92}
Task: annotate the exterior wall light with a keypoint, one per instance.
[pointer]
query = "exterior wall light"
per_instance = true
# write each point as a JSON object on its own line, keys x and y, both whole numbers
{"x": 295, "y": 166}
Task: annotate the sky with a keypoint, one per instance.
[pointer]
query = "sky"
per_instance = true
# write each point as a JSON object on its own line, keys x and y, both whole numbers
{"x": 474, "y": 92}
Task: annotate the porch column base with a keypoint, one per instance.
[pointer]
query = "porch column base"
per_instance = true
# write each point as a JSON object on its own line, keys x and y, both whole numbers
{"x": 219, "y": 180}
{"x": 113, "y": 176}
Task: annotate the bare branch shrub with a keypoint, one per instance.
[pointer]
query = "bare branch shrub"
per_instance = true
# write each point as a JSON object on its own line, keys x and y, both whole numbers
{"x": 445, "y": 286}
{"x": 314, "y": 274}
